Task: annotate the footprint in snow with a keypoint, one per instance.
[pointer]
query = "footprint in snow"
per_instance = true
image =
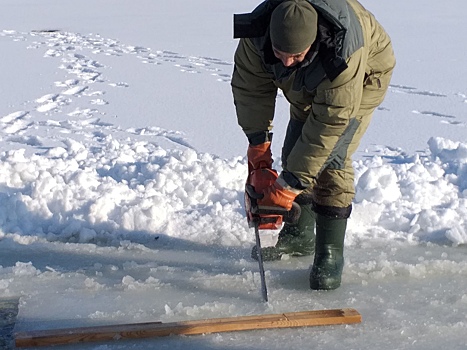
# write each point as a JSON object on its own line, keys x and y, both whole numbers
{"x": 16, "y": 122}
{"x": 413, "y": 91}
{"x": 9, "y": 118}
{"x": 51, "y": 102}
{"x": 445, "y": 118}
{"x": 121, "y": 84}
{"x": 74, "y": 53}
{"x": 68, "y": 83}
{"x": 75, "y": 91}
{"x": 27, "y": 140}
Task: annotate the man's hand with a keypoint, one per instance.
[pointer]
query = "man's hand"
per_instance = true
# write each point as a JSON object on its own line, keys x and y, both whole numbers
{"x": 279, "y": 194}
{"x": 259, "y": 156}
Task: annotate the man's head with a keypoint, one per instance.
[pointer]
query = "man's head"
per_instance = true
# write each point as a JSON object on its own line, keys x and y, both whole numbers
{"x": 293, "y": 28}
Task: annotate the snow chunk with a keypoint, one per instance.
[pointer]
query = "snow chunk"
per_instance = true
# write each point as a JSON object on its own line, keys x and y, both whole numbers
{"x": 378, "y": 185}
{"x": 24, "y": 269}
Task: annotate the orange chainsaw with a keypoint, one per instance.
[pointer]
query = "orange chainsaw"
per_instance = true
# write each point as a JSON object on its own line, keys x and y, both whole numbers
{"x": 265, "y": 218}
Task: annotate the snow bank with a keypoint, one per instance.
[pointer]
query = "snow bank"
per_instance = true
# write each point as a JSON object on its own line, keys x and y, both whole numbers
{"x": 87, "y": 194}
{"x": 422, "y": 197}
{"x": 77, "y": 195}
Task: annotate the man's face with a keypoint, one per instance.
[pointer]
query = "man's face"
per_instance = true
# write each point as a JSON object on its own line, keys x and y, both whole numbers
{"x": 291, "y": 59}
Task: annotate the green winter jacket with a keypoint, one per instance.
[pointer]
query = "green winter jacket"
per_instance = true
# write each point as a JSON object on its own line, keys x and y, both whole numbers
{"x": 324, "y": 91}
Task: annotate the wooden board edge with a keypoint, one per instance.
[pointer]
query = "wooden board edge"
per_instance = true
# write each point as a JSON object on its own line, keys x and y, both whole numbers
{"x": 8, "y": 314}
{"x": 196, "y": 327}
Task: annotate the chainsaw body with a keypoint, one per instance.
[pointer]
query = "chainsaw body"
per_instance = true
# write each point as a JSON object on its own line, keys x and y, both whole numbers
{"x": 265, "y": 218}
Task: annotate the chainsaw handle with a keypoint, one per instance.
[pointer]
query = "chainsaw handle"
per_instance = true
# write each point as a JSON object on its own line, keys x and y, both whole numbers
{"x": 250, "y": 190}
{"x": 290, "y": 216}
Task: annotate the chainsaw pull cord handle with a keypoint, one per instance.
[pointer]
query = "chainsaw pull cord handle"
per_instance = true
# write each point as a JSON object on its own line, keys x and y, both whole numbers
{"x": 293, "y": 214}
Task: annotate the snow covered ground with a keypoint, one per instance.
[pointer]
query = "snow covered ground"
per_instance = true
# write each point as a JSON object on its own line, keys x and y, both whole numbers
{"x": 122, "y": 172}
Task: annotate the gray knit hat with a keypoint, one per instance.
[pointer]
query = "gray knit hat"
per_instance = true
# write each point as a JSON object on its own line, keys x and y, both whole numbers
{"x": 293, "y": 26}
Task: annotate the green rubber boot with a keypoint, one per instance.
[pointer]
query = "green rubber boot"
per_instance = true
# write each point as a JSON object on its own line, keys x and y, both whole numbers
{"x": 296, "y": 240}
{"x": 328, "y": 263}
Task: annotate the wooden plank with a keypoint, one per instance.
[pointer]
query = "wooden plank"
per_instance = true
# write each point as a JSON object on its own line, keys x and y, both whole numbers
{"x": 158, "y": 329}
{"x": 8, "y": 312}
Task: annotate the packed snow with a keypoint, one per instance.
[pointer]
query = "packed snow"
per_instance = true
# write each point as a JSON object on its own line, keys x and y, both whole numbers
{"x": 122, "y": 174}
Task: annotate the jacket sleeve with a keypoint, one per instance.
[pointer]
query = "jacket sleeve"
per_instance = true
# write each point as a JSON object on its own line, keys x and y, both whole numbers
{"x": 331, "y": 124}
{"x": 253, "y": 90}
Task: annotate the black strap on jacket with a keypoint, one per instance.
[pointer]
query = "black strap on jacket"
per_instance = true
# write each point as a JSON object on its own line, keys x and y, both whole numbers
{"x": 254, "y": 24}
